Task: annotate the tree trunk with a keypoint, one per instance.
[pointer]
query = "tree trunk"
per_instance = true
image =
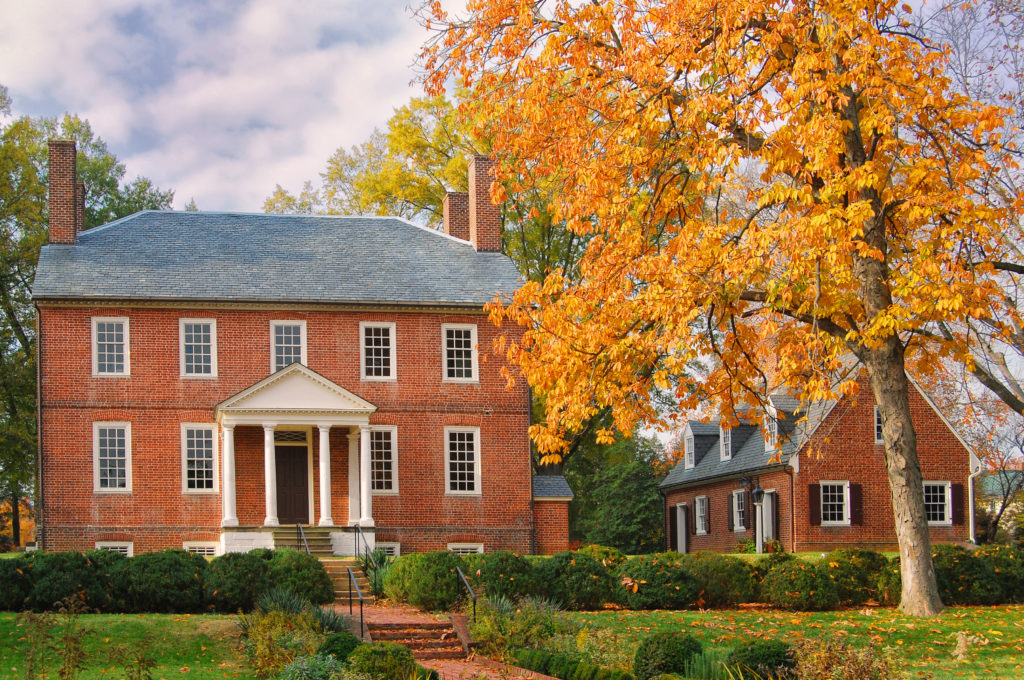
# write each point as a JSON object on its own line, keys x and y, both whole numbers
{"x": 16, "y": 518}
{"x": 890, "y": 386}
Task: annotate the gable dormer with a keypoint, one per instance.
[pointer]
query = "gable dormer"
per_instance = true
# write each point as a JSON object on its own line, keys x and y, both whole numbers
{"x": 689, "y": 454}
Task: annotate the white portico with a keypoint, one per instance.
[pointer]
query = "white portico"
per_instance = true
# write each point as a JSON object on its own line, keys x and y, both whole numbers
{"x": 295, "y": 400}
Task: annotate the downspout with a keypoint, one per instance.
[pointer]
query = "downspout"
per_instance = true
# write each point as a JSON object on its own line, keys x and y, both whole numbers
{"x": 664, "y": 516}
{"x": 792, "y": 509}
{"x": 40, "y": 505}
{"x": 970, "y": 503}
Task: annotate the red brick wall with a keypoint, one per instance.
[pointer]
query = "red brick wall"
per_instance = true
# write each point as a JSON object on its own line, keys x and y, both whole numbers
{"x": 156, "y": 399}
{"x": 551, "y": 519}
{"x": 484, "y": 216}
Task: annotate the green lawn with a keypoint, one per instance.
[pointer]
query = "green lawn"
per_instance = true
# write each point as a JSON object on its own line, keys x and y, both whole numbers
{"x": 184, "y": 646}
{"x": 926, "y": 645}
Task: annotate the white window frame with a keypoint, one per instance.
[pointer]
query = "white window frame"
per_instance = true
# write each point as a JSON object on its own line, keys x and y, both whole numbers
{"x": 213, "y": 348}
{"x": 390, "y": 325}
{"x": 724, "y": 443}
{"x": 273, "y": 341}
{"x": 770, "y": 423}
{"x": 126, "y": 548}
{"x": 846, "y": 502}
{"x": 477, "y": 476}
{"x": 205, "y": 546}
{"x": 738, "y": 526}
{"x": 689, "y": 459}
{"x": 127, "y": 348}
{"x": 700, "y": 518}
{"x": 96, "y": 456}
{"x": 466, "y": 548}
{"x": 184, "y": 458}
{"x": 393, "y": 549}
{"x": 445, "y": 327}
{"x": 948, "y": 522}
{"x": 393, "y": 491}
{"x": 878, "y": 427}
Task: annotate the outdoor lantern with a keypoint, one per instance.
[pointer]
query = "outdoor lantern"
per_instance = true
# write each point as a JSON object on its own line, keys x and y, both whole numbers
{"x": 757, "y": 495}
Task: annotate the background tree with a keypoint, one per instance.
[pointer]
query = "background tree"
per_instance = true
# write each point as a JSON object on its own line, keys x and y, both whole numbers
{"x": 867, "y": 222}
{"x": 23, "y": 230}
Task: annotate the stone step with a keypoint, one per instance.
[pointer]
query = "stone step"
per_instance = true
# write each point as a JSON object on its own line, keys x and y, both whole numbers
{"x": 427, "y": 640}
{"x": 439, "y": 653}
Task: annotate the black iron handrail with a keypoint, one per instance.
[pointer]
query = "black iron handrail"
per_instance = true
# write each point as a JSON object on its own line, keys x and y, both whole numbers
{"x": 301, "y": 534}
{"x": 366, "y": 547}
{"x": 469, "y": 588}
{"x": 352, "y": 583}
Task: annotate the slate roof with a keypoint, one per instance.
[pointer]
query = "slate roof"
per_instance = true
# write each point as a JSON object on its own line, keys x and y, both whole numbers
{"x": 551, "y": 486}
{"x": 164, "y": 255}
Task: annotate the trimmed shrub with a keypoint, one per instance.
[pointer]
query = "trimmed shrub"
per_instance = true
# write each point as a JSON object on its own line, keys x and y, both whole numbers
{"x": 576, "y": 581}
{"x": 565, "y": 666}
{"x": 502, "y": 574}
{"x": 664, "y": 653}
{"x": 111, "y": 584}
{"x": 831, "y": 659}
{"x": 272, "y": 640}
{"x": 1007, "y": 563}
{"x": 721, "y": 580}
{"x": 855, "y": 572}
{"x": 889, "y": 586}
{"x": 502, "y": 625}
{"x": 382, "y": 661}
{"x": 168, "y": 581}
{"x": 234, "y": 581}
{"x": 963, "y": 577}
{"x": 768, "y": 658}
{"x": 302, "y": 574}
{"x": 431, "y": 583}
{"x": 609, "y": 557}
{"x": 339, "y": 645}
{"x": 800, "y": 585}
{"x": 15, "y": 583}
{"x": 398, "y": 580}
{"x": 655, "y": 582}
{"x": 316, "y": 667}
{"x": 60, "y": 575}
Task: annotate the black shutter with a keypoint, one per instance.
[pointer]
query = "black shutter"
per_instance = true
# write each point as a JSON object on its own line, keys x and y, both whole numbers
{"x": 707, "y": 516}
{"x": 814, "y": 504}
{"x": 687, "y": 520}
{"x": 748, "y": 512}
{"x": 856, "y": 504}
{"x": 691, "y": 518}
{"x": 729, "y": 513}
{"x": 957, "y": 500}
{"x": 673, "y": 529}
{"x": 775, "y": 516}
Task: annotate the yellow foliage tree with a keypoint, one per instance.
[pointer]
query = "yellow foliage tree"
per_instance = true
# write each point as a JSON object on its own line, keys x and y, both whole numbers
{"x": 776, "y": 184}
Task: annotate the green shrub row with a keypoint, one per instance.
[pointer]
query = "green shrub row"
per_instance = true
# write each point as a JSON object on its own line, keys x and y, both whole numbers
{"x": 171, "y": 581}
{"x": 565, "y": 666}
{"x": 593, "y": 576}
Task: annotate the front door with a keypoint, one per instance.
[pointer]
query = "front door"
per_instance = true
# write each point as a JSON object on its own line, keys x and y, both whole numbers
{"x": 292, "y": 485}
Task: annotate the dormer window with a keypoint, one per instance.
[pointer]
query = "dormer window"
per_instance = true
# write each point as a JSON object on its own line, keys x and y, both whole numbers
{"x": 688, "y": 457}
{"x": 725, "y": 443}
{"x": 771, "y": 430}
{"x": 879, "y": 439}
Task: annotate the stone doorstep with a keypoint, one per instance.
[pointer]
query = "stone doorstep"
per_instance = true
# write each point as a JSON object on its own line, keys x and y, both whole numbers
{"x": 426, "y": 640}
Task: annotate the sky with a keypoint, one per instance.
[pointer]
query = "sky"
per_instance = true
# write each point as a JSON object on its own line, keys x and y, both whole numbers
{"x": 217, "y": 100}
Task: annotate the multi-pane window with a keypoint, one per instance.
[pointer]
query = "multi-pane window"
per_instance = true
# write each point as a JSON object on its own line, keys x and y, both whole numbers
{"x": 110, "y": 346}
{"x": 701, "y": 514}
{"x": 287, "y": 343}
{"x": 462, "y": 472}
{"x": 382, "y": 461}
{"x": 771, "y": 429}
{"x": 112, "y": 465}
{"x": 878, "y": 427}
{"x": 725, "y": 443}
{"x": 378, "y": 351}
{"x": 198, "y": 347}
{"x": 688, "y": 455}
{"x": 937, "y": 503}
{"x": 739, "y": 508}
{"x": 459, "y": 352}
{"x": 835, "y": 503}
{"x": 199, "y": 458}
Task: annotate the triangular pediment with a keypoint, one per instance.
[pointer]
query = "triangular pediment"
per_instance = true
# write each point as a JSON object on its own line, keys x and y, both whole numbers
{"x": 296, "y": 389}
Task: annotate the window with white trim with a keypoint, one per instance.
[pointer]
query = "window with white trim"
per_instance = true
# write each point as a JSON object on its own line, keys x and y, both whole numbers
{"x": 110, "y": 346}
{"x": 390, "y": 549}
{"x": 938, "y": 503}
{"x": 739, "y": 510}
{"x": 204, "y": 548}
{"x": 198, "y": 458}
{"x": 700, "y": 505}
{"x": 126, "y": 548}
{"x": 462, "y": 461}
{"x": 287, "y": 344}
{"x": 460, "y": 357}
{"x": 466, "y": 548}
{"x": 688, "y": 455}
{"x": 384, "y": 460}
{"x": 198, "y": 347}
{"x": 112, "y": 457}
{"x": 377, "y": 350}
{"x": 878, "y": 427}
{"x": 724, "y": 443}
{"x": 771, "y": 430}
{"x": 835, "y": 503}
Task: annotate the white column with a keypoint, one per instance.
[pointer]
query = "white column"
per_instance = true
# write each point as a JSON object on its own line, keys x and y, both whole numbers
{"x": 353, "y": 478}
{"x": 365, "y": 499}
{"x": 270, "y": 475}
{"x": 325, "y": 476}
{"x": 759, "y": 528}
{"x": 227, "y": 455}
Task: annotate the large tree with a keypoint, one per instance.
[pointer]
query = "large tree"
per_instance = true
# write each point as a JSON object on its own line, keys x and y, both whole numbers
{"x": 777, "y": 184}
{"x": 23, "y": 230}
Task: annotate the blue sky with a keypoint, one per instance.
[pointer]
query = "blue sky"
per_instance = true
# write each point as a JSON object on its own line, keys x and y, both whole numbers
{"x": 218, "y": 100}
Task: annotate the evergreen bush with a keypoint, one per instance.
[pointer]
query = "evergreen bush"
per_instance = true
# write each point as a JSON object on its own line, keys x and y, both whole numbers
{"x": 60, "y": 575}
{"x": 234, "y": 581}
{"x": 664, "y": 653}
{"x": 111, "y": 584}
{"x": 15, "y": 583}
{"x": 502, "y": 574}
{"x": 889, "y": 586}
{"x": 655, "y": 582}
{"x": 382, "y": 661}
{"x": 315, "y": 667}
{"x": 721, "y": 580}
{"x": 398, "y": 580}
{"x": 855, "y": 572}
{"x": 432, "y": 582}
{"x": 609, "y": 557}
{"x": 576, "y": 580}
{"x": 963, "y": 577}
{"x": 800, "y": 585}
{"x": 302, "y": 574}
{"x": 1007, "y": 563}
{"x": 766, "y": 657}
{"x": 339, "y": 645}
{"x": 169, "y": 581}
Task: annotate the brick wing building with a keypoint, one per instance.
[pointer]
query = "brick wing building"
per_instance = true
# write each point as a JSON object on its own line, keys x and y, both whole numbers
{"x": 824, "y": 479}
{"x": 206, "y": 379}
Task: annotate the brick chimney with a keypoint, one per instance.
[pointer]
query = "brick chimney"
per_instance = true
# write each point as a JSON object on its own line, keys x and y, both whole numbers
{"x": 484, "y": 216}
{"x": 64, "y": 192}
{"x": 456, "y": 214}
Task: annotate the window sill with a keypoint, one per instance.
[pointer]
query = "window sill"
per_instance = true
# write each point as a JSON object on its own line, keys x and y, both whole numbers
{"x": 375, "y": 378}
{"x": 197, "y": 376}
{"x": 199, "y": 492}
{"x": 941, "y": 524}
{"x": 463, "y": 494}
{"x": 461, "y": 381}
{"x": 835, "y": 524}
{"x": 112, "y": 492}
{"x": 111, "y": 375}
{"x": 393, "y": 492}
